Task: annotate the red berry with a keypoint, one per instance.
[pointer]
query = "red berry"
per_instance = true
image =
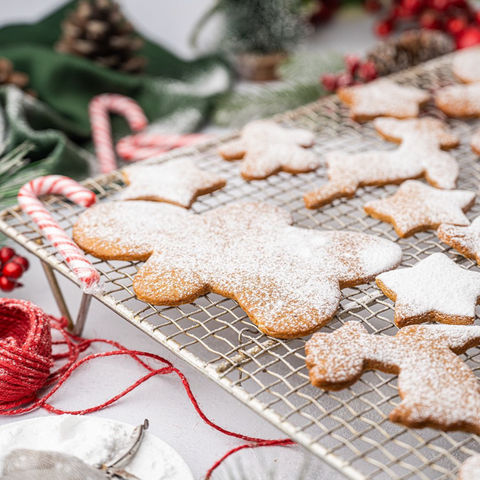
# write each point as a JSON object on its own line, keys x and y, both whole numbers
{"x": 429, "y": 20}
{"x": 456, "y": 26}
{"x": 12, "y": 270}
{"x": 329, "y": 82}
{"x": 6, "y": 253}
{"x": 412, "y": 6}
{"x": 367, "y": 71}
{"x": 469, "y": 37}
{"x": 7, "y": 285}
{"x": 440, "y": 5}
{"x": 22, "y": 261}
{"x": 372, "y": 5}
{"x": 344, "y": 80}
{"x": 352, "y": 62}
{"x": 477, "y": 16}
{"x": 384, "y": 27}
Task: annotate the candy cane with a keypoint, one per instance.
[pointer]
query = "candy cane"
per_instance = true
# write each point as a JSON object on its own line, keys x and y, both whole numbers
{"x": 30, "y": 204}
{"x": 99, "y": 109}
{"x": 144, "y": 145}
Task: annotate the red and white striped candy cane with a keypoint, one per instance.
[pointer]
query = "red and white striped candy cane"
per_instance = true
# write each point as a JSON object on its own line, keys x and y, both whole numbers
{"x": 99, "y": 109}
{"x": 144, "y": 145}
{"x": 75, "y": 258}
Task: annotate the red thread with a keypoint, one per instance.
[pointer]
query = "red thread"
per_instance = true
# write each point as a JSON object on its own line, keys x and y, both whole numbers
{"x": 26, "y": 360}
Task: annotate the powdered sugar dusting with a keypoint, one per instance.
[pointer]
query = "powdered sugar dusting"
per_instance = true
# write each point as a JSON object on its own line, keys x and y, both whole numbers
{"x": 267, "y": 148}
{"x": 434, "y": 289}
{"x": 419, "y": 155}
{"x": 464, "y": 239}
{"x": 459, "y": 100}
{"x": 287, "y": 279}
{"x": 383, "y": 98}
{"x": 466, "y": 65}
{"x": 437, "y": 388}
{"x": 416, "y": 207}
{"x": 178, "y": 181}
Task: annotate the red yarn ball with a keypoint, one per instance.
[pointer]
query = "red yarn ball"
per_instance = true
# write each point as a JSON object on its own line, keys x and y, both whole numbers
{"x": 12, "y": 270}
{"x": 25, "y": 351}
{"x": 6, "y": 253}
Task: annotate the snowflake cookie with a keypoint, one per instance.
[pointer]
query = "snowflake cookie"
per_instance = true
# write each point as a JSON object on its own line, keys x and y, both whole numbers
{"x": 266, "y": 148}
{"x": 437, "y": 388}
{"x": 436, "y": 289}
{"x": 287, "y": 279}
{"x": 383, "y": 98}
{"x": 416, "y": 207}
{"x": 420, "y": 155}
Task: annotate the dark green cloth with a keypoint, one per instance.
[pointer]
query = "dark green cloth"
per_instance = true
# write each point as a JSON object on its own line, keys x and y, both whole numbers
{"x": 176, "y": 95}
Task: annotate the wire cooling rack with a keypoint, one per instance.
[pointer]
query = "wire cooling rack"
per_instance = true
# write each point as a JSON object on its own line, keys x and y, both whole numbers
{"x": 349, "y": 429}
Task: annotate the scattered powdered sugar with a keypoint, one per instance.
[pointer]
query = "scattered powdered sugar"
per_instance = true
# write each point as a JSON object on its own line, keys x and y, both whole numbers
{"x": 178, "y": 181}
{"x": 466, "y": 65}
{"x": 287, "y": 279}
{"x": 464, "y": 239}
{"x": 419, "y": 155}
{"x": 94, "y": 440}
{"x": 384, "y": 97}
{"x": 437, "y": 388}
{"x": 470, "y": 470}
{"x": 459, "y": 100}
{"x": 435, "y": 285}
{"x": 416, "y": 207}
{"x": 267, "y": 148}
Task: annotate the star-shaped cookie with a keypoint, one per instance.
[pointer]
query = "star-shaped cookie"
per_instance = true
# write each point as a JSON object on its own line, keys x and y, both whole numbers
{"x": 475, "y": 142}
{"x": 459, "y": 101}
{"x": 287, "y": 279}
{"x": 383, "y": 98}
{"x": 178, "y": 182}
{"x": 465, "y": 240}
{"x": 268, "y": 148}
{"x": 434, "y": 290}
{"x": 466, "y": 65}
{"x": 420, "y": 155}
{"x": 416, "y": 207}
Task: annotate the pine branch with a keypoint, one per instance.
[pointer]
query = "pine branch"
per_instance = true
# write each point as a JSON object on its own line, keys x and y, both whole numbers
{"x": 301, "y": 74}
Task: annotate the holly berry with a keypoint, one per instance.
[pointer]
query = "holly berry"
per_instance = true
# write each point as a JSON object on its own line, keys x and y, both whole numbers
{"x": 456, "y": 26}
{"x": 372, "y": 6}
{"x": 344, "y": 80}
{"x": 12, "y": 270}
{"x": 22, "y": 261}
{"x": 412, "y": 6}
{"x": 469, "y": 37}
{"x": 440, "y": 5}
{"x": 6, "y": 253}
{"x": 384, "y": 27}
{"x": 429, "y": 20}
{"x": 367, "y": 71}
{"x": 477, "y": 16}
{"x": 6, "y": 284}
{"x": 352, "y": 62}
{"x": 329, "y": 82}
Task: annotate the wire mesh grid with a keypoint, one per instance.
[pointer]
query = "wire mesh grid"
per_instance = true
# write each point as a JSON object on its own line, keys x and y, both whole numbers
{"x": 348, "y": 429}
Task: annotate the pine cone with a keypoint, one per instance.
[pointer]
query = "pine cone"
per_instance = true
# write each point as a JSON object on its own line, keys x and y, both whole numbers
{"x": 8, "y": 76}
{"x": 98, "y": 30}
{"x": 409, "y": 49}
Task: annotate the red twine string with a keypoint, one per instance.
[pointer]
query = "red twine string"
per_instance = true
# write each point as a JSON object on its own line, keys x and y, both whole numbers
{"x": 26, "y": 359}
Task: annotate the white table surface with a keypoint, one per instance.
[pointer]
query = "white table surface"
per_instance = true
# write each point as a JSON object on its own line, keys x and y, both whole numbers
{"x": 162, "y": 399}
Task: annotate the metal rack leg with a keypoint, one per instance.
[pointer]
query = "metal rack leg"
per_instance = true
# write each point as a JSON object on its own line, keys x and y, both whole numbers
{"x": 77, "y": 327}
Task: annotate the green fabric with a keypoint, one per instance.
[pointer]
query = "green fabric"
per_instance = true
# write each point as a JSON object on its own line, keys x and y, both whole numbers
{"x": 176, "y": 95}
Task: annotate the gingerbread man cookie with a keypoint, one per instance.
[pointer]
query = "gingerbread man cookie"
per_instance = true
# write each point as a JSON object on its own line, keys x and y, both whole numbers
{"x": 465, "y": 240}
{"x": 434, "y": 290}
{"x": 178, "y": 182}
{"x": 459, "y": 101}
{"x": 268, "y": 148}
{"x": 287, "y": 279}
{"x": 437, "y": 388}
{"x": 420, "y": 155}
{"x": 383, "y": 98}
{"x": 416, "y": 207}
{"x": 466, "y": 65}
{"x": 470, "y": 470}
